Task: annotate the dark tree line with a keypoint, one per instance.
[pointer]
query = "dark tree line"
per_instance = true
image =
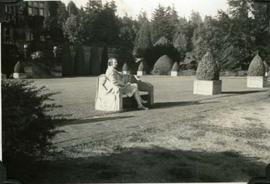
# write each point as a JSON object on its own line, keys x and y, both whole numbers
{"x": 233, "y": 37}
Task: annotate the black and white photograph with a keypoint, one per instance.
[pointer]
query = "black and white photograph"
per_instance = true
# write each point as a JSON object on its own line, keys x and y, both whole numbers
{"x": 135, "y": 91}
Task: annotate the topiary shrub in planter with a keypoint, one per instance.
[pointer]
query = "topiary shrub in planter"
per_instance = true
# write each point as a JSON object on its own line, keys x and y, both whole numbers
{"x": 256, "y": 73}
{"x": 125, "y": 69}
{"x": 207, "y": 77}
{"x": 175, "y": 69}
{"x": 19, "y": 71}
{"x": 141, "y": 69}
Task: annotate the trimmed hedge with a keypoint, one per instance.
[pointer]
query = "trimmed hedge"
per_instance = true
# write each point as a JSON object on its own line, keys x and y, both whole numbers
{"x": 163, "y": 65}
{"x": 256, "y": 67}
{"x": 19, "y": 67}
{"x": 207, "y": 68}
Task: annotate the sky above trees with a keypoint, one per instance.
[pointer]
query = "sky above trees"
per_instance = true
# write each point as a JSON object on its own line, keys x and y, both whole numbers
{"x": 183, "y": 7}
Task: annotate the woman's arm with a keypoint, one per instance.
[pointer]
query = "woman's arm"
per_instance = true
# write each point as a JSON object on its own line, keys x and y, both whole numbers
{"x": 116, "y": 79}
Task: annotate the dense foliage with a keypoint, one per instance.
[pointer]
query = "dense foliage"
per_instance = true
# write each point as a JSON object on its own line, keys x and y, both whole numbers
{"x": 207, "y": 68}
{"x": 27, "y": 129}
{"x": 232, "y": 36}
{"x": 256, "y": 67}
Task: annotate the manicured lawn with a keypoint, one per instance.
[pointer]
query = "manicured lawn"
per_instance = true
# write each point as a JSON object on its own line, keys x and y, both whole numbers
{"x": 183, "y": 137}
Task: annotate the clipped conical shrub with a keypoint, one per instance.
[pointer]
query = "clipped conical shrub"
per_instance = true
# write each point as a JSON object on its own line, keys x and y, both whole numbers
{"x": 256, "y": 67}
{"x": 266, "y": 66}
{"x": 19, "y": 67}
{"x": 141, "y": 67}
{"x": 175, "y": 67}
{"x": 125, "y": 67}
{"x": 207, "y": 68}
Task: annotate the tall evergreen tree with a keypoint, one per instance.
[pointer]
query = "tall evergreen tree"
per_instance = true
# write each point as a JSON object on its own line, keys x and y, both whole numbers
{"x": 100, "y": 24}
{"x": 72, "y": 8}
{"x": 72, "y": 28}
{"x": 163, "y": 23}
{"x": 143, "y": 40}
{"x": 261, "y": 22}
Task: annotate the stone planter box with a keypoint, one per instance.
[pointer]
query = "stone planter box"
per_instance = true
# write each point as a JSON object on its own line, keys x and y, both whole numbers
{"x": 140, "y": 73}
{"x": 19, "y": 75}
{"x": 174, "y": 73}
{"x": 207, "y": 87}
{"x": 256, "y": 81}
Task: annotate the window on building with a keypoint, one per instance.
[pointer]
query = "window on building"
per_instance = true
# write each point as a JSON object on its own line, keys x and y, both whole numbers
{"x": 41, "y": 4}
{"x": 30, "y": 11}
{"x": 35, "y": 4}
{"x": 35, "y": 11}
{"x": 41, "y": 12}
{"x": 36, "y": 8}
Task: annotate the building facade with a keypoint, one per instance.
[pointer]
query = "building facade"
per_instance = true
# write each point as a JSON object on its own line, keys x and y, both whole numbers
{"x": 20, "y": 20}
{"x": 22, "y": 23}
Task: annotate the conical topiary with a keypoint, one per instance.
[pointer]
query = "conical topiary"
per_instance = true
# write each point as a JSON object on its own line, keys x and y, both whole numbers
{"x": 19, "y": 67}
{"x": 125, "y": 67}
{"x": 256, "y": 67}
{"x": 141, "y": 67}
{"x": 265, "y": 66}
{"x": 207, "y": 68}
{"x": 175, "y": 67}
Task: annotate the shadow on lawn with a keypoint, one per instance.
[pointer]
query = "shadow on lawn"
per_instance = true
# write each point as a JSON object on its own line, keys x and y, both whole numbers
{"x": 150, "y": 165}
{"x": 243, "y": 92}
{"x": 175, "y": 104}
{"x": 86, "y": 121}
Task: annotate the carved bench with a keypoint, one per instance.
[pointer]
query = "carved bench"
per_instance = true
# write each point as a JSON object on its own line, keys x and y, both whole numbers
{"x": 106, "y": 101}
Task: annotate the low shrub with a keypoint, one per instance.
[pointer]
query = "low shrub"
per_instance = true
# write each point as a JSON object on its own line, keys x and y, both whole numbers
{"x": 256, "y": 67}
{"x": 189, "y": 62}
{"x": 27, "y": 127}
{"x": 207, "y": 68}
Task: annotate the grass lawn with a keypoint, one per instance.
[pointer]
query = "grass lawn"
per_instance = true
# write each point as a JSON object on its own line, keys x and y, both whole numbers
{"x": 182, "y": 138}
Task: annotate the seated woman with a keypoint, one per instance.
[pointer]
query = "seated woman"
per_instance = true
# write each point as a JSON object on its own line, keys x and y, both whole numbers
{"x": 116, "y": 79}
